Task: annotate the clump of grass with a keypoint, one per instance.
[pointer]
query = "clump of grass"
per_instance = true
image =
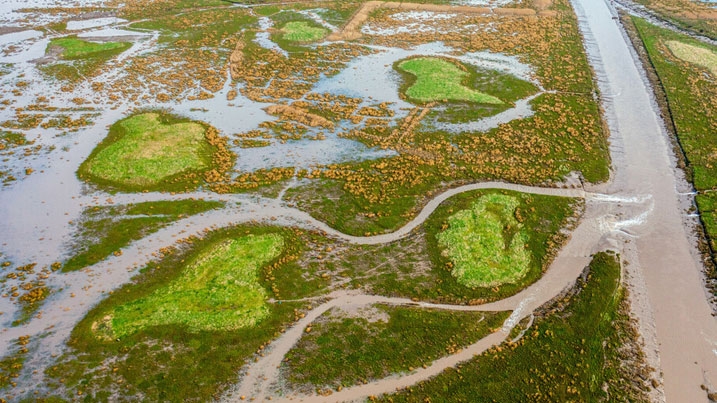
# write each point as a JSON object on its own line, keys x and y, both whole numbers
{"x": 302, "y": 31}
{"x": 583, "y": 351}
{"x": 74, "y": 48}
{"x": 345, "y": 351}
{"x": 486, "y": 243}
{"x": 438, "y": 79}
{"x": 103, "y": 231}
{"x": 218, "y": 290}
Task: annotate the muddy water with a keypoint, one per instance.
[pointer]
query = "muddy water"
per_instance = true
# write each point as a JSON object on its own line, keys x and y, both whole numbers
{"x": 661, "y": 252}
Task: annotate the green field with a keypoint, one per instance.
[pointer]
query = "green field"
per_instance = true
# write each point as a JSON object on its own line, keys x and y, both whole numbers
{"x": 437, "y": 79}
{"x": 218, "y": 290}
{"x": 74, "y": 48}
{"x": 583, "y": 351}
{"x": 486, "y": 243}
{"x": 302, "y": 31}
{"x": 343, "y": 351}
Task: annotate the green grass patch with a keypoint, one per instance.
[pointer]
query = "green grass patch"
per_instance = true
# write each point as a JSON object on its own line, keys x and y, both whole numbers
{"x": 105, "y": 230}
{"x": 486, "y": 244}
{"x": 302, "y": 31}
{"x": 151, "y": 151}
{"x": 74, "y": 48}
{"x": 172, "y": 362}
{"x": 584, "y": 351}
{"x": 218, "y": 290}
{"x": 438, "y": 79}
{"x": 343, "y": 351}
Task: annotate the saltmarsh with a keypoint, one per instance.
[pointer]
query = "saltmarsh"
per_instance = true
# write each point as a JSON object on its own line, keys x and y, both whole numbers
{"x": 74, "y": 48}
{"x": 174, "y": 361}
{"x": 343, "y": 350}
{"x": 581, "y": 349}
{"x": 302, "y": 31}
{"x": 487, "y": 243}
{"x": 153, "y": 150}
{"x": 437, "y": 79}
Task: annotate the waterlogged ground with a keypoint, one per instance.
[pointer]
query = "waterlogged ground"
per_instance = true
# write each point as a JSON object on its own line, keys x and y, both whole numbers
{"x": 317, "y": 180}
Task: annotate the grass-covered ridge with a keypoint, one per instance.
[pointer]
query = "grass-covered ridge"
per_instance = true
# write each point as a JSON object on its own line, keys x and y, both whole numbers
{"x": 302, "y": 31}
{"x": 487, "y": 243}
{"x": 218, "y": 290}
{"x": 584, "y": 351}
{"x": 342, "y": 351}
{"x": 153, "y": 150}
{"x": 74, "y": 48}
{"x": 104, "y": 231}
{"x": 438, "y": 79}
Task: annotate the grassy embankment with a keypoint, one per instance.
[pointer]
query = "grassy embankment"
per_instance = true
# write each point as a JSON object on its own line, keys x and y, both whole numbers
{"x": 79, "y": 58}
{"x": 103, "y": 231}
{"x": 341, "y": 351}
{"x": 687, "y": 71}
{"x": 564, "y": 135}
{"x": 581, "y": 349}
{"x": 157, "y": 151}
{"x": 187, "y": 323}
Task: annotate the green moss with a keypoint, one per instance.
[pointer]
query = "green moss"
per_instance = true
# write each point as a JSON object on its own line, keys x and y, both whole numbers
{"x": 438, "y": 79}
{"x": 74, "y": 48}
{"x": 302, "y": 31}
{"x": 344, "y": 351}
{"x": 486, "y": 244}
{"x": 218, "y": 290}
{"x": 103, "y": 231}
{"x": 576, "y": 354}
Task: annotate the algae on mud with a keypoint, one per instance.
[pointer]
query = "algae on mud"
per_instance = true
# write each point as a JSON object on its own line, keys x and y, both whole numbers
{"x": 152, "y": 150}
{"x": 74, "y": 48}
{"x": 104, "y": 231}
{"x": 157, "y": 360}
{"x": 487, "y": 243}
{"x": 437, "y": 79}
{"x": 218, "y": 290}
{"x": 302, "y": 31}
